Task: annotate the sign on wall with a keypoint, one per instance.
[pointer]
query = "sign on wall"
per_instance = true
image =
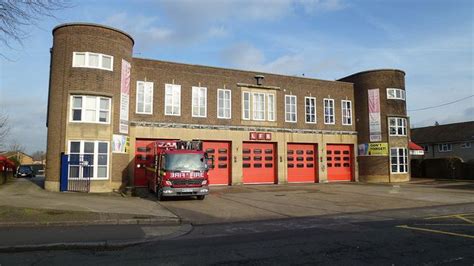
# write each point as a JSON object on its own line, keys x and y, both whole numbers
{"x": 373, "y": 149}
{"x": 124, "y": 97}
{"x": 260, "y": 136}
{"x": 120, "y": 143}
{"x": 375, "y": 127}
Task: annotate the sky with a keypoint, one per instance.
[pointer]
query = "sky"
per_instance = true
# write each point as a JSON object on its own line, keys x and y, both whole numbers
{"x": 431, "y": 40}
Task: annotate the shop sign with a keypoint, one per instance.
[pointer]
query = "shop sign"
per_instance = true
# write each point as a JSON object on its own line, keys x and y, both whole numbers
{"x": 373, "y": 149}
{"x": 260, "y": 136}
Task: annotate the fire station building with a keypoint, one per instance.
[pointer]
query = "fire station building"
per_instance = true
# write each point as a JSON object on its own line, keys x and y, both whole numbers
{"x": 105, "y": 107}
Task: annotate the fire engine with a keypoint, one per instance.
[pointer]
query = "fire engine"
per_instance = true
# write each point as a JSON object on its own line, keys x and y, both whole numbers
{"x": 180, "y": 168}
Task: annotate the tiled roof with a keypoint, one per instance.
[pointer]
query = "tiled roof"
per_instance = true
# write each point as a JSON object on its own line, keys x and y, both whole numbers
{"x": 456, "y": 132}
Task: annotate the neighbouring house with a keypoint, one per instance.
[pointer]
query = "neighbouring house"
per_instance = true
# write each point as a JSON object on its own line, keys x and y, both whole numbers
{"x": 18, "y": 156}
{"x": 446, "y": 141}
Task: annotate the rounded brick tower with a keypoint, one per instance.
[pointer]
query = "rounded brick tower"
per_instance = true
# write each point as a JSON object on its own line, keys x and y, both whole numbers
{"x": 89, "y": 79}
{"x": 382, "y": 125}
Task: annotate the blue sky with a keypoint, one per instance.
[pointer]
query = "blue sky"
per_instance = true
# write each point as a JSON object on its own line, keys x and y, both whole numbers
{"x": 431, "y": 40}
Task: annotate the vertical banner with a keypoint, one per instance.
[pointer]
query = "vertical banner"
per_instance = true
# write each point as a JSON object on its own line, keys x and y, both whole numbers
{"x": 375, "y": 127}
{"x": 124, "y": 97}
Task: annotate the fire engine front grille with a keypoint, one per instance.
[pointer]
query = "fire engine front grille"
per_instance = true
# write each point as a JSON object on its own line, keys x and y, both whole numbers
{"x": 184, "y": 182}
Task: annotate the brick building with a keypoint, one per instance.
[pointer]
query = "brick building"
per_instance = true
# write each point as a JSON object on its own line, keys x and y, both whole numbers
{"x": 105, "y": 106}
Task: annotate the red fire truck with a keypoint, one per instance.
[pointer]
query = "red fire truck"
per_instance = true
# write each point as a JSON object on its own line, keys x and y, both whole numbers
{"x": 180, "y": 169}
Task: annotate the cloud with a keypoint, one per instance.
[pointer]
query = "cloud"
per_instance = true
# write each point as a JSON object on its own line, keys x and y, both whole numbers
{"x": 313, "y": 6}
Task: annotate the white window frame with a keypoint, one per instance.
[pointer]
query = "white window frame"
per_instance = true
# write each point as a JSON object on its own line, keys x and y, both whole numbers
{"x": 224, "y": 107}
{"x": 445, "y": 147}
{"x": 401, "y": 160}
{"x": 83, "y": 109}
{"x": 256, "y": 111}
{"x": 173, "y": 87}
{"x": 145, "y": 84}
{"x": 332, "y": 114}
{"x": 397, "y": 126}
{"x": 246, "y": 105}
{"x": 346, "y": 112}
{"x": 466, "y": 145}
{"x": 96, "y": 158}
{"x": 313, "y": 100}
{"x": 288, "y": 111}
{"x": 196, "y": 93}
{"x": 271, "y": 113}
{"x": 87, "y": 61}
{"x": 396, "y": 94}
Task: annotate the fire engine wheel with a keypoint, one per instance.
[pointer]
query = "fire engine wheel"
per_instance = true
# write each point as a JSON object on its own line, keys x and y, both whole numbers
{"x": 159, "y": 194}
{"x": 201, "y": 197}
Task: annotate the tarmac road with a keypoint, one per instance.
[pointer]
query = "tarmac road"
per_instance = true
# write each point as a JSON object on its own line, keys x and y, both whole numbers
{"x": 445, "y": 237}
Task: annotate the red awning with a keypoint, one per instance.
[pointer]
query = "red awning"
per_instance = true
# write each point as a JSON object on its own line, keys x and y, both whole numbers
{"x": 414, "y": 146}
{"x": 3, "y": 158}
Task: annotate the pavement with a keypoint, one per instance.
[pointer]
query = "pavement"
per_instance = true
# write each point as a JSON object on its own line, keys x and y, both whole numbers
{"x": 32, "y": 218}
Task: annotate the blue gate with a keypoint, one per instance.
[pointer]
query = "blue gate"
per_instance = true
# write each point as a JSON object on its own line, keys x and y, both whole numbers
{"x": 76, "y": 172}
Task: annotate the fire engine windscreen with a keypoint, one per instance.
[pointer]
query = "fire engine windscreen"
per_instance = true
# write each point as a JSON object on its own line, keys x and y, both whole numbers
{"x": 185, "y": 162}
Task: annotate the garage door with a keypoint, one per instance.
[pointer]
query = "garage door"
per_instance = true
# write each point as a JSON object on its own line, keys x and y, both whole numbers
{"x": 302, "y": 163}
{"x": 220, "y": 175}
{"x": 142, "y": 159}
{"x": 339, "y": 162}
{"x": 258, "y": 163}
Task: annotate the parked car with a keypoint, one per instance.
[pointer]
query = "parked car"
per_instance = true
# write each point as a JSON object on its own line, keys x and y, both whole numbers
{"x": 25, "y": 171}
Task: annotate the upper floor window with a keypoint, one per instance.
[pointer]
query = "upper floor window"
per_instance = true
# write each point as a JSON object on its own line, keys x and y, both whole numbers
{"x": 346, "y": 112}
{"x": 93, "y": 60}
{"x": 397, "y": 126}
{"x": 172, "y": 99}
{"x": 466, "y": 145}
{"x": 258, "y": 106}
{"x": 224, "y": 103}
{"x": 445, "y": 147}
{"x": 290, "y": 108}
{"x": 90, "y": 109}
{"x": 399, "y": 160}
{"x": 397, "y": 94}
{"x": 199, "y": 102}
{"x": 246, "y": 105}
{"x": 310, "y": 109}
{"x": 144, "y": 97}
{"x": 271, "y": 107}
{"x": 329, "y": 111}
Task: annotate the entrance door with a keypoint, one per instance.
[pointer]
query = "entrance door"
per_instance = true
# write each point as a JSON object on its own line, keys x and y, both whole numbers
{"x": 302, "y": 163}
{"x": 339, "y": 162}
{"x": 258, "y": 163}
{"x": 142, "y": 160}
{"x": 220, "y": 175}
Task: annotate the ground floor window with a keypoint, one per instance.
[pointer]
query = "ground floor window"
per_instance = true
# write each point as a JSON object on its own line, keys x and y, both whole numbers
{"x": 88, "y": 159}
{"x": 399, "y": 160}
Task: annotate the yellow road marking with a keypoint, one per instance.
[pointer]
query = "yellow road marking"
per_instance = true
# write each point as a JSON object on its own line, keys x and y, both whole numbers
{"x": 464, "y": 219}
{"x": 457, "y": 215}
{"x": 435, "y": 231}
{"x": 448, "y": 224}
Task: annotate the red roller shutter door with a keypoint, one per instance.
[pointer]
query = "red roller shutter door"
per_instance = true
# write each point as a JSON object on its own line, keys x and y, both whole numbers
{"x": 142, "y": 159}
{"x": 258, "y": 163}
{"x": 339, "y": 162}
{"x": 302, "y": 163}
{"x": 220, "y": 175}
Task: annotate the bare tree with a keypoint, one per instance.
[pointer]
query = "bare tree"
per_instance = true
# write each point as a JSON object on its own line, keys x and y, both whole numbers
{"x": 4, "y": 128}
{"x": 39, "y": 156}
{"x": 15, "y": 15}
